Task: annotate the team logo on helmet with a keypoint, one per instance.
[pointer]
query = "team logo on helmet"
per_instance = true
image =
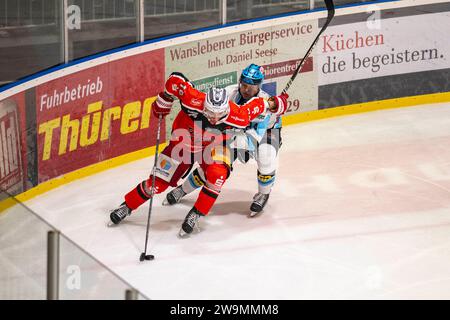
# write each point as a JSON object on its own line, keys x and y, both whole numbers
{"x": 216, "y": 104}
{"x": 217, "y": 97}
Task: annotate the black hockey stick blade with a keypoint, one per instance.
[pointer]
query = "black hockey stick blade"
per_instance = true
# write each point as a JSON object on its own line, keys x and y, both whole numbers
{"x": 330, "y": 9}
{"x": 146, "y": 257}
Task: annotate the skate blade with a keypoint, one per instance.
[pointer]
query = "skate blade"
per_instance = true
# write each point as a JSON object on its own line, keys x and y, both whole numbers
{"x": 183, "y": 235}
{"x": 167, "y": 203}
{"x": 110, "y": 224}
{"x": 254, "y": 214}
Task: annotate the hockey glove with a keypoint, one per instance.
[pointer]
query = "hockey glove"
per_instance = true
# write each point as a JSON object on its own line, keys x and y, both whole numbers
{"x": 162, "y": 105}
{"x": 278, "y": 104}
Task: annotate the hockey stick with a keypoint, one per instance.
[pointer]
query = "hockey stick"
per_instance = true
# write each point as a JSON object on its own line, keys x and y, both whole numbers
{"x": 330, "y": 9}
{"x": 144, "y": 255}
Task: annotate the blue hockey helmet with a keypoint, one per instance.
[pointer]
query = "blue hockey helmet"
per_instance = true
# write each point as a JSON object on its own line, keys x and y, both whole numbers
{"x": 252, "y": 75}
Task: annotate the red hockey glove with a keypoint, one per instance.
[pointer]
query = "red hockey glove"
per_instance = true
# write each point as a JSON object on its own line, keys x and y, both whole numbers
{"x": 278, "y": 104}
{"x": 162, "y": 105}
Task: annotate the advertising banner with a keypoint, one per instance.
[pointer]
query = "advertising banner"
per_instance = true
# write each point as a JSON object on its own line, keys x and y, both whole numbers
{"x": 378, "y": 55}
{"x": 391, "y": 46}
{"x": 219, "y": 61}
{"x": 98, "y": 113}
{"x": 12, "y": 144}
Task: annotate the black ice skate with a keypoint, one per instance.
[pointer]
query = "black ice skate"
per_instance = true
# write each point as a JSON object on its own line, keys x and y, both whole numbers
{"x": 259, "y": 202}
{"x": 190, "y": 222}
{"x": 174, "y": 196}
{"x": 117, "y": 215}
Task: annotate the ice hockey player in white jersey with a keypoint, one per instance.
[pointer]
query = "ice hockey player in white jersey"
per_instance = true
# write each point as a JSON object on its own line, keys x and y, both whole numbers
{"x": 261, "y": 140}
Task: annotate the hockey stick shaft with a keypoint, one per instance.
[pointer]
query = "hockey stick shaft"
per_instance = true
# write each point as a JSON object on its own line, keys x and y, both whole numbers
{"x": 158, "y": 136}
{"x": 330, "y": 8}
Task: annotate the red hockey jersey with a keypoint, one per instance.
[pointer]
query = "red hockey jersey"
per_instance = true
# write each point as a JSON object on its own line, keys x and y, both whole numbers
{"x": 191, "y": 99}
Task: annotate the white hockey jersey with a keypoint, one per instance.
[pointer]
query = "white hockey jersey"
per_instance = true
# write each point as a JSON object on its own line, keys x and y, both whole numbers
{"x": 260, "y": 124}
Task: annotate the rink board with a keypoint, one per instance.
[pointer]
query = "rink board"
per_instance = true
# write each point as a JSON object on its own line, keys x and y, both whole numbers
{"x": 96, "y": 110}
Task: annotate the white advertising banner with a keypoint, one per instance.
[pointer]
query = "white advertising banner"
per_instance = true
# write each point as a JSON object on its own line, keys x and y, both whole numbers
{"x": 218, "y": 61}
{"x": 376, "y": 48}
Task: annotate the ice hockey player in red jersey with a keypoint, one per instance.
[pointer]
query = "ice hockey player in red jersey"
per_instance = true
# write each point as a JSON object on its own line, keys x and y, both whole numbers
{"x": 261, "y": 140}
{"x": 199, "y": 134}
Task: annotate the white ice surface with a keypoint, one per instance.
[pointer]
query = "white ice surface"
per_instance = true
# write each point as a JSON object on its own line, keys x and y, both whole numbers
{"x": 361, "y": 209}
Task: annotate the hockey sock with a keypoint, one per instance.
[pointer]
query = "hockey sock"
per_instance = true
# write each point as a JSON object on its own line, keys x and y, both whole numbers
{"x": 142, "y": 192}
{"x": 216, "y": 175}
{"x": 205, "y": 200}
{"x": 265, "y": 182}
{"x": 195, "y": 180}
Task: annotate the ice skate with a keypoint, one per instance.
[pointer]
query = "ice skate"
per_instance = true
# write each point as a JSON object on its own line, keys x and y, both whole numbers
{"x": 117, "y": 215}
{"x": 174, "y": 196}
{"x": 190, "y": 223}
{"x": 259, "y": 202}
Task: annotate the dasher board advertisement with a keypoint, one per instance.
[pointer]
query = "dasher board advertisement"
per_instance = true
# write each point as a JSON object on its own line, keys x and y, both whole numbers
{"x": 219, "y": 61}
{"x": 386, "y": 47}
{"x": 12, "y": 145}
{"x": 98, "y": 113}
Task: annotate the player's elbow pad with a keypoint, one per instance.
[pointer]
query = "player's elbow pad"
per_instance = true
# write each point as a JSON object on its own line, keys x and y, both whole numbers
{"x": 176, "y": 84}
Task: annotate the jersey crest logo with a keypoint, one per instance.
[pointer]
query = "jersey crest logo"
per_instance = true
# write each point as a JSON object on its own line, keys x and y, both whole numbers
{"x": 165, "y": 164}
{"x": 196, "y": 102}
{"x": 219, "y": 182}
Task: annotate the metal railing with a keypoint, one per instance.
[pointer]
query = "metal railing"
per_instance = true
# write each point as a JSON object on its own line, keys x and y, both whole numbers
{"x": 38, "y": 12}
{"x": 271, "y": 3}
{"x": 41, "y": 33}
{"x": 39, "y": 262}
{"x": 152, "y": 8}
{"x": 174, "y": 7}
{"x": 27, "y": 14}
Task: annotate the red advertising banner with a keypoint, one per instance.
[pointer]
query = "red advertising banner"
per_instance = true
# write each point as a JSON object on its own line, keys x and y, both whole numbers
{"x": 12, "y": 144}
{"x": 287, "y": 68}
{"x": 97, "y": 114}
